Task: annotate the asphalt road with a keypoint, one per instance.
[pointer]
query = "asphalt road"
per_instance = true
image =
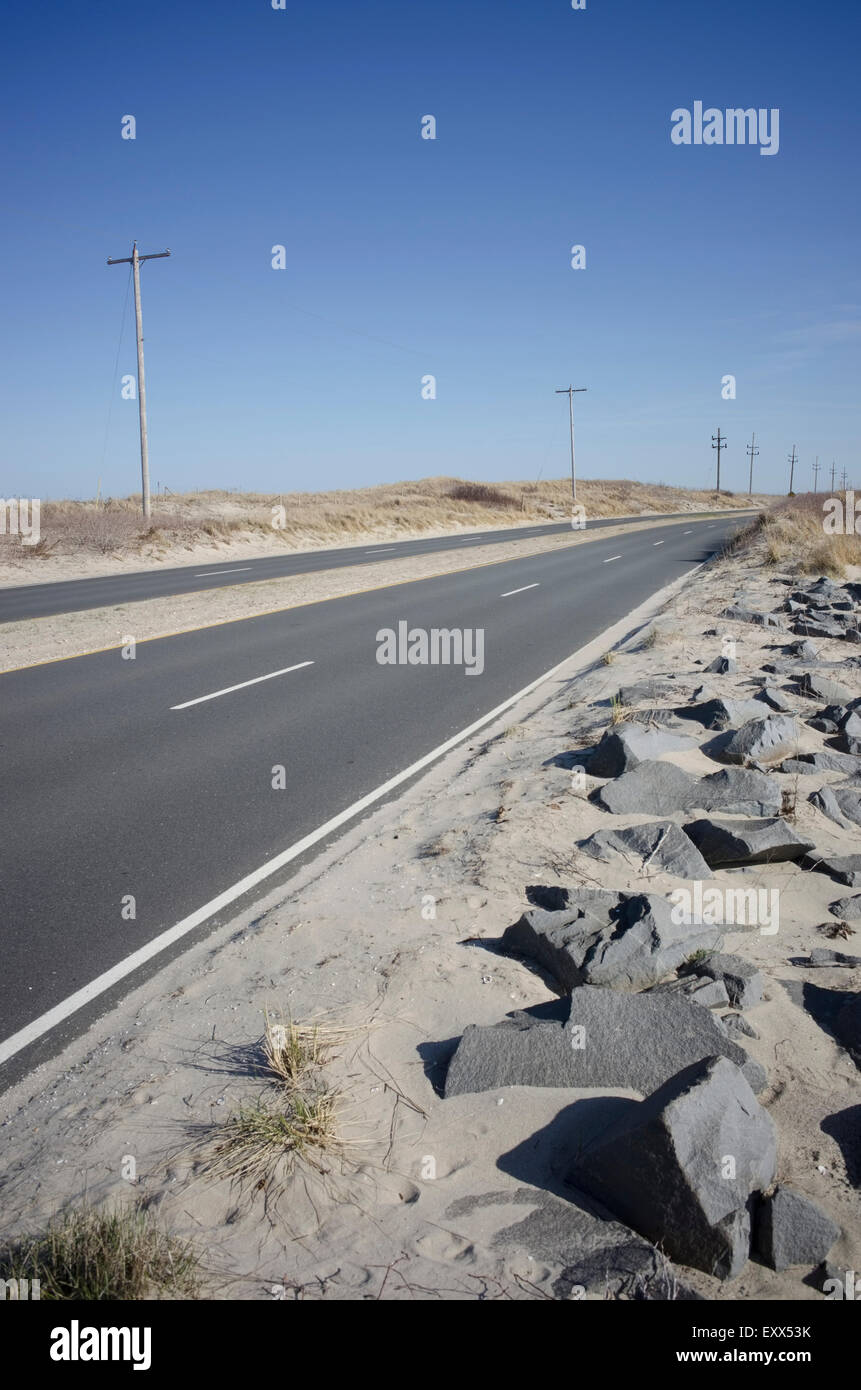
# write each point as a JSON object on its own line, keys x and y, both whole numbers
{"x": 72, "y": 595}
{"x": 119, "y": 779}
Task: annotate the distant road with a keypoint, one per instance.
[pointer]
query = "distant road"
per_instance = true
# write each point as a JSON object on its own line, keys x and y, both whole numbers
{"x": 153, "y": 777}
{"x": 72, "y": 595}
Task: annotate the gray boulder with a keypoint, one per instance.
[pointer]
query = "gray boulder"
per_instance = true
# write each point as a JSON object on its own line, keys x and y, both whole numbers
{"x": 627, "y": 745}
{"x": 700, "y": 989}
{"x": 826, "y": 761}
{"x": 737, "y": 1026}
{"x": 843, "y": 868}
{"x": 840, "y": 804}
{"x": 739, "y": 792}
{"x": 625, "y": 941}
{"x": 719, "y": 713}
{"x": 741, "y": 980}
{"x": 818, "y": 687}
{"x": 722, "y": 666}
{"x": 847, "y": 909}
{"x": 683, "y": 1167}
{"x": 805, "y": 626}
{"x": 654, "y": 688}
{"x": 805, "y": 650}
{"x": 821, "y": 958}
{"x": 747, "y": 615}
{"x": 761, "y": 740}
{"x": 775, "y": 699}
{"x": 792, "y": 1230}
{"x": 657, "y": 846}
{"x": 731, "y": 844}
{"x": 631, "y": 1042}
{"x": 651, "y": 789}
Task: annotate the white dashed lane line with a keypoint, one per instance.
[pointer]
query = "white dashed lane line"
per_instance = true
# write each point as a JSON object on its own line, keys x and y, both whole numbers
{"x": 228, "y": 690}
{"x": 520, "y": 591}
{"x": 657, "y": 542}
{"x": 611, "y": 557}
{"x": 206, "y": 573}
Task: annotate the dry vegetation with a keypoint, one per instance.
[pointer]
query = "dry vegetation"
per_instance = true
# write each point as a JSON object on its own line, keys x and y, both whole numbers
{"x": 390, "y": 511}
{"x": 94, "y": 1255}
{"x": 792, "y": 535}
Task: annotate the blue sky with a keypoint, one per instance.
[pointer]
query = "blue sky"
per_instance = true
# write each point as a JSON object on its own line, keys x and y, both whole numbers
{"x": 258, "y": 127}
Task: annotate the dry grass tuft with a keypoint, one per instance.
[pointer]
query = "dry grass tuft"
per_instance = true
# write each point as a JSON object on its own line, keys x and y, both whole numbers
{"x": 258, "y": 1140}
{"x": 101, "y": 1256}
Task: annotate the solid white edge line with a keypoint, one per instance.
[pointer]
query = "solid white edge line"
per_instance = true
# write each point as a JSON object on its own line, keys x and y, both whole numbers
{"x": 35, "y": 1030}
{"x": 229, "y": 689}
{"x": 609, "y": 558}
{"x": 520, "y": 591}
{"x": 206, "y": 573}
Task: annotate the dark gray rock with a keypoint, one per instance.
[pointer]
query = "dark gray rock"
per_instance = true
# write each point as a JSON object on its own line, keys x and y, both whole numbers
{"x": 651, "y": 788}
{"x": 761, "y": 740}
{"x": 722, "y": 666}
{"x": 805, "y": 626}
{"x": 626, "y": 745}
{"x": 840, "y": 804}
{"x": 843, "y": 868}
{"x": 730, "y": 844}
{"x": 792, "y": 1230}
{"x": 625, "y": 941}
{"x": 611, "y": 1040}
{"x": 719, "y": 713}
{"x": 742, "y": 981}
{"x": 775, "y": 699}
{"x": 737, "y": 1026}
{"x": 821, "y": 959}
{"x": 700, "y": 989}
{"x": 826, "y": 761}
{"x": 805, "y": 650}
{"x": 819, "y": 687}
{"x": 663, "y": 1167}
{"x": 847, "y": 909}
{"x": 737, "y": 791}
{"x": 657, "y": 846}
{"x": 653, "y": 689}
{"x": 747, "y": 615}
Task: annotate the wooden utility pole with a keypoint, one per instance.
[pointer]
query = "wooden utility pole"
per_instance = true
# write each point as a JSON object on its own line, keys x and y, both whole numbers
{"x": 571, "y": 392}
{"x": 135, "y": 261}
{"x": 833, "y": 466}
{"x": 844, "y": 480}
{"x": 816, "y": 475}
{"x": 718, "y": 442}
{"x": 792, "y": 459}
{"x": 753, "y": 451}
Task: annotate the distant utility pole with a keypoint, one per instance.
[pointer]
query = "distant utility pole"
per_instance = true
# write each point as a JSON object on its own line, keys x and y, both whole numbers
{"x": 844, "y": 480}
{"x": 792, "y": 459}
{"x": 136, "y": 261}
{"x": 571, "y": 392}
{"x": 718, "y": 442}
{"x": 753, "y": 451}
{"x": 816, "y": 475}
{"x": 833, "y": 466}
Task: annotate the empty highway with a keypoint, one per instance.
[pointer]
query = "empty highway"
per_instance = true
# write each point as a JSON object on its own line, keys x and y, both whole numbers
{"x": 73, "y": 595}
{"x": 152, "y": 779}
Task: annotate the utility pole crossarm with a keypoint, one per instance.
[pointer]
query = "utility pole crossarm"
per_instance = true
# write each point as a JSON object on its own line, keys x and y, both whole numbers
{"x": 134, "y": 260}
